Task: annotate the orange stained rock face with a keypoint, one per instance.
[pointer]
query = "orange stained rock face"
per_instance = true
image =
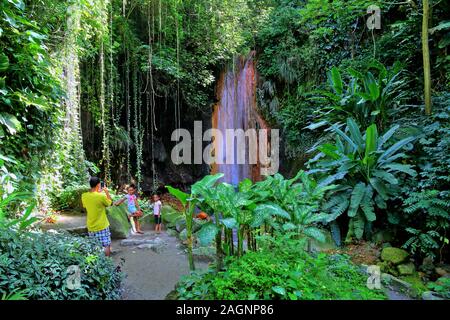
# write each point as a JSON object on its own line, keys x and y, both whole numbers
{"x": 237, "y": 109}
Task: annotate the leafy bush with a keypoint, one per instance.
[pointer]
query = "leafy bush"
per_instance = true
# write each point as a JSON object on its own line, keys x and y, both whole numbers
{"x": 281, "y": 269}
{"x": 426, "y": 200}
{"x": 368, "y": 170}
{"x": 35, "y": 264}
{"x": 369, "y": 98}
{"x": 69, "y": 198}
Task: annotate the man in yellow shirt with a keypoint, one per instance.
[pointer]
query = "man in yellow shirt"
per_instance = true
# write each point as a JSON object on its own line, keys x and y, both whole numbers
{"x": 95, "y": 202}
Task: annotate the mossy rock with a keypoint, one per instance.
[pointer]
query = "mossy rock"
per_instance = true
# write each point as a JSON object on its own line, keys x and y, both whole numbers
{"x": 394, "y": 255}
{"x": 388, "y": 267}
{"x": 418, "y": 287}
{"x": 406, "y": 269}
{"x": 118, "y": 220}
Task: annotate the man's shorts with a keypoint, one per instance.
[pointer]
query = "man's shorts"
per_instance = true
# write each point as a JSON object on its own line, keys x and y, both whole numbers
{"x": 104, "y": 236}
{"x": 157, "y": 219}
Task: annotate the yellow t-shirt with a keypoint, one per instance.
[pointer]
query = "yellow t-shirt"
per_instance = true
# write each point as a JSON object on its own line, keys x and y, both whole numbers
{"x": 95, "y": 204}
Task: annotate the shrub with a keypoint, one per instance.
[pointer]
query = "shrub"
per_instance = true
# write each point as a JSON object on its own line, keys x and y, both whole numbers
{"x": 35, "y": 264}
{"x": 281, "y": 269}
{"x": 69, "y": 198}
{"x": 369, "y": 169}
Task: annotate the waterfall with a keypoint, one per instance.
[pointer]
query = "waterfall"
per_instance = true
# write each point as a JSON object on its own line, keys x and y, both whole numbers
{"x": 236, "y": 109}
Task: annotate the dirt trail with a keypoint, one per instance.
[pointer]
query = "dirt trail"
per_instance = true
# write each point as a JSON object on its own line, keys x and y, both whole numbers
{"x": 153, "y": 264}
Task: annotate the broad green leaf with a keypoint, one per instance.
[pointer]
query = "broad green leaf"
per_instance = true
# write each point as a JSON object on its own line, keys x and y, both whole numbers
{"x": 289, "y": 226}
{"x": 379, "y": 187}
{"x": 336, "y": 80}
{"x": 355, "y": 134}
{"x": 273, "y": 209}
{"x": 229, "y": 223}
{"x": 385, "y": 137}
{"x": 315, "y": 233}
{"x": 207, "y": 182}
{"x": 394, "y": 148}
{"x": 356, "y": 198}
{"x": 386, "y": 176}
{"x": 371, "y": 145}
{"x": 367, "y": 204}
{"x": 406, "y": 168}
{"x": 358, "y": 226}
{"x": 4, "y": 62}
{"x": 12, "y": 124}
{"x": 180, "y": 195}
{"x": 245, "y": 185}
{"x": 207, "y": 233}
{"x": 279, "y": 290}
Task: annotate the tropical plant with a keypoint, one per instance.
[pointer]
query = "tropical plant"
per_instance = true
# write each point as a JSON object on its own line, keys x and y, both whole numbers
{"x": 295, "y": 201}
{"x": 368, "y": 170}
{"x": 366, "y": 97}
{"x": 25, "y": 220}
{"x": 189, "y": 202}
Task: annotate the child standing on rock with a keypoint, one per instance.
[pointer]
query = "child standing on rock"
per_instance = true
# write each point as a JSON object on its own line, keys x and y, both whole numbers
{"x": 133, "y": 207}
{"x": 157, "y": 205}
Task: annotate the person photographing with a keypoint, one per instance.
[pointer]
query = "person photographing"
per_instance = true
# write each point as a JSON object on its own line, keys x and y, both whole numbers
{"x": 95, "y": 202}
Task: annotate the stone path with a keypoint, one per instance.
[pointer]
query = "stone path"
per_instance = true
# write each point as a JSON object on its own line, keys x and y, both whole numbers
{"x": 153, "y": 264}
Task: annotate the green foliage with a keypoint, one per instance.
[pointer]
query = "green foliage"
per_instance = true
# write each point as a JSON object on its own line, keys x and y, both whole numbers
{"x": 370, "y": 97}
{"x": 36, "y": 265}
{"x": 368, "y": 171}
{"x": 426, "y": 200}
{"x": 280, "y": 269}
{"x": 441, "y": 286}
{"x": 17, "y": 200}
{"x": 69, "y": 198}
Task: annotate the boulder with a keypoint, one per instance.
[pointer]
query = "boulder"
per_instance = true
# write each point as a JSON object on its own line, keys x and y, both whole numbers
{"x": 118, "y": 220}
{"x": 406, "y": 269}
{"x": 394, "y": 255}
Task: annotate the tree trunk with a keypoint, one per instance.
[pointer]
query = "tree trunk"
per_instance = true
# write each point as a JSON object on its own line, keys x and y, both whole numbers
{"x": 426, "y": 57}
